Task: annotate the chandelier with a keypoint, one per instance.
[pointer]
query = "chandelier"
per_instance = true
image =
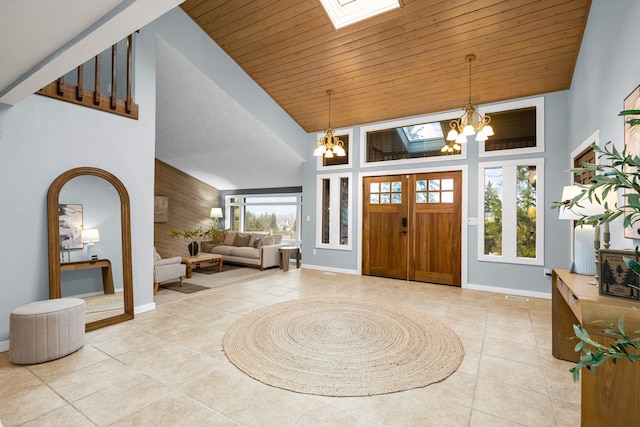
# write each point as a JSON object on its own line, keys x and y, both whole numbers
{"x": 471, "y": 122}
{"x": 329, "y": 145}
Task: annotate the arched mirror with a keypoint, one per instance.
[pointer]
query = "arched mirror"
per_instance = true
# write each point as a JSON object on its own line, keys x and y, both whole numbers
{"x": 90, "y": 244}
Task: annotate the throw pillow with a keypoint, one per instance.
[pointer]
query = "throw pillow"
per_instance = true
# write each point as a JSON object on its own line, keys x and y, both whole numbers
{"x": 257, "y": 242}
{"x": 278, "y": 238}
{"x": 229, "y": 237}
{"x": 269, "y": 240}
{"x": 207, "y": 246}
{"x": 242, "y": 240}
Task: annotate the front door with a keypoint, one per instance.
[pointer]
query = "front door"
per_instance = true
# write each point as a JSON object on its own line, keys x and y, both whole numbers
{"x": 412, "y": 227}
{"x": 385, "y": 239}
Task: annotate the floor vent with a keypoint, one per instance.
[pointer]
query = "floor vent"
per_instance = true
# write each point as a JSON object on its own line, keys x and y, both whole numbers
{"x": 516, "y": 297}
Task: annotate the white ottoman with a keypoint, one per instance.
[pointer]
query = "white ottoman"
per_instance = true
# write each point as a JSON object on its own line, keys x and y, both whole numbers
{"x": 46, "y": 330}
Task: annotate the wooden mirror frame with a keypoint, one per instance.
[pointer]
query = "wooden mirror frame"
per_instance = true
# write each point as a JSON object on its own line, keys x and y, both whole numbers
{"x": 54, "y": 240}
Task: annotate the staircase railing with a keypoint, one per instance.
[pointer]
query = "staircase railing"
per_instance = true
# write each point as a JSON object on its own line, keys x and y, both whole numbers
{"x": 112, "y": 95}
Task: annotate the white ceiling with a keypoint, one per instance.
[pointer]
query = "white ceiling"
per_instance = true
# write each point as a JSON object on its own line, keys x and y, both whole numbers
{"x": 202, "y": 131}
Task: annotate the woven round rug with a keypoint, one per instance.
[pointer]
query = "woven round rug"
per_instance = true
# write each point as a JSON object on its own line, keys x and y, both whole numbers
{"x": 342, "y": 347}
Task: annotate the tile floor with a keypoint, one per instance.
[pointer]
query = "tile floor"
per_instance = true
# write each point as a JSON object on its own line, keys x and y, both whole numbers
{"x": 166, "y": 367}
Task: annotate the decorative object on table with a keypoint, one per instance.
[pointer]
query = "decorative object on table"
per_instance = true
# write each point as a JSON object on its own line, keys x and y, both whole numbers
{"x": 617, "y": 279}
{"x": 70, "y": 218}
{"x": 632, "y": 145}
{"x": 90, "y": 236}
{"x": 584, "y": 234}
{"x": 160, "y": 209}
{"x": 216, "y": 214}
{"x": 191, "y": 234}
{"x": 471, "y": 122}
{"x": 342, "y": 347}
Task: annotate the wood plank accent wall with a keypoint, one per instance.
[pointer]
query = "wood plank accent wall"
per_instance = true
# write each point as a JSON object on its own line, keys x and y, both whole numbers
{"x": 190, "y": 202}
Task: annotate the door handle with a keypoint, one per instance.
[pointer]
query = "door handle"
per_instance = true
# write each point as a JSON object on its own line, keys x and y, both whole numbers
{"x": 403, "y": 232}
{"x": 404, "y": 221}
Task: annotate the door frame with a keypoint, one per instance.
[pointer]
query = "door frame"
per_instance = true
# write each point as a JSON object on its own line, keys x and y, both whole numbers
{"x": 464, "y": 169}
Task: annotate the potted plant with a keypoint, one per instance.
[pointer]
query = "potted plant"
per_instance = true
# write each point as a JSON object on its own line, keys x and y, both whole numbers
{"x": 619, "y": 170}
{"x": 191, "y": 234}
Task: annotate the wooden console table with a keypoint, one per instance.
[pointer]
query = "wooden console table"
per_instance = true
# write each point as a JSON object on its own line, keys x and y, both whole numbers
{"x": 610, "y": 393}
{"x": 104, "y": 264}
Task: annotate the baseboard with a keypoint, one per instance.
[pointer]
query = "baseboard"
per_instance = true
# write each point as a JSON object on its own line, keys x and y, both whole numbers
{"x": 144, "y": 308}
{"x": 507, "y": 291}
{"x": 329, "y": 269}
{"x": 4, "y": 346}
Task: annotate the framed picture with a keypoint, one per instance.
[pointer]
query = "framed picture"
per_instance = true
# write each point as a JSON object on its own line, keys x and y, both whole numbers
{"x": 615, "y": 276}
{"x": 632, "y": 143}
{"x": 160, "y": 209}
{"x": 70, "y": 220}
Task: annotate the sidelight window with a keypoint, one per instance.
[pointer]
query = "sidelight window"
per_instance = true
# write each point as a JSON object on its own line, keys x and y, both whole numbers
{"x": 334, "y": 211}
{"x": 510, "y": 230}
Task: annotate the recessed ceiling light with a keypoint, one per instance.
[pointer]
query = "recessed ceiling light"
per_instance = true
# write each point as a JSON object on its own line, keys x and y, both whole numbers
{"x": 346, "y": 12}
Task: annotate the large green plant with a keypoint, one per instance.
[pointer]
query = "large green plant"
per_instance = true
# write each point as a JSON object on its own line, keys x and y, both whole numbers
{"x": 616, "y": 170}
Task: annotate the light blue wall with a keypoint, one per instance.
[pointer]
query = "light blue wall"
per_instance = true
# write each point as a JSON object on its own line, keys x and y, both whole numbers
{"x": 522, "y": 278}
{"x": 42, "y": 138}
{"x": 608, "y": 70}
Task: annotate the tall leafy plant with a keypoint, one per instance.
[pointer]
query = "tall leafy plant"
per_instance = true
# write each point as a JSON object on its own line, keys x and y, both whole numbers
{"x": 617, "y": 170}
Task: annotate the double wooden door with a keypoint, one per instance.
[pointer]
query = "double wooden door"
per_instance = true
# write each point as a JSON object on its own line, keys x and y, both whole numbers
{"x": 412, "y": 227}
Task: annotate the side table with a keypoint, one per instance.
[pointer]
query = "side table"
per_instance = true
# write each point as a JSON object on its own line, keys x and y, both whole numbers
{"x": 285, "y": 254}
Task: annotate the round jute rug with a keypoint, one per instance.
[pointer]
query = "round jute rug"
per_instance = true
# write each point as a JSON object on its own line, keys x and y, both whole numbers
{"x": 342, "y": 347}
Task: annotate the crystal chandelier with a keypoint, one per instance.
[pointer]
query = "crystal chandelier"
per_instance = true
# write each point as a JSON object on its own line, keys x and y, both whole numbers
{"x": 471, "y": 122}
{"x": 329, "y": 145}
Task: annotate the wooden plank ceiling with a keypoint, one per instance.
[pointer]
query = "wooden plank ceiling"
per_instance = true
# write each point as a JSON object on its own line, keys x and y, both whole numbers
{"x": 405, "y": 62}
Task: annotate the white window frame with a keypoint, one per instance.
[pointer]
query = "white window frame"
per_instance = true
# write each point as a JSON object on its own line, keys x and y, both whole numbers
{"x": 242, "y": 204}
{"x": 514, "y": 105}
{"x": 509, "y": 233}
{"x": 402, "y": 123}
{"x": 337, "y": 132}
{"x": 334, "y": 218}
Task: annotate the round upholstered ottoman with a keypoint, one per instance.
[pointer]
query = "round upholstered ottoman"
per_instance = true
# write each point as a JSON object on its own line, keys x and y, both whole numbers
{"x": 46, "y": 330}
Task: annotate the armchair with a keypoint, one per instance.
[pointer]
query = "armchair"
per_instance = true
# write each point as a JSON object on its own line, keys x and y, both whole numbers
{"x": 167, "y": 269}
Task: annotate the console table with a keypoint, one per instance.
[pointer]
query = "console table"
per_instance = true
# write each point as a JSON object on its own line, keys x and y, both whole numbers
{"x": 104, "y": 264}
{"x": 610, "y": 393}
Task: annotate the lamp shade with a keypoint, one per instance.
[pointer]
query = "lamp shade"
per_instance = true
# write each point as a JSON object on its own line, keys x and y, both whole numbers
{"x": 90, "y": 235}
{"x": 216, "y": 213}
{"x": 586, "y": 207}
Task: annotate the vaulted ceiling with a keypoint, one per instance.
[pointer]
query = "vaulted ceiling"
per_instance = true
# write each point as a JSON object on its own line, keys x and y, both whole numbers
{"x": 405, "y": 62}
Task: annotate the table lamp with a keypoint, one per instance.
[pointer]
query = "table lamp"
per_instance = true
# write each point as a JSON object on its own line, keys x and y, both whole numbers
{"x": 90, "y": 236}
{"x": 216, "y": 214}
{"x": 584, "y": 235}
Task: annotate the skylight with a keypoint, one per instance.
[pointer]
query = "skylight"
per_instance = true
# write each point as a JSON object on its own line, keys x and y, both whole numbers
{"x": 347, "y": 12}
{"x": 423, "y": 132}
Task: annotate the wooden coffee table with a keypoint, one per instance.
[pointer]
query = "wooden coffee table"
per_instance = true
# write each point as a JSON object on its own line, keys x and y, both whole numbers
{"x": 195, "y": 261}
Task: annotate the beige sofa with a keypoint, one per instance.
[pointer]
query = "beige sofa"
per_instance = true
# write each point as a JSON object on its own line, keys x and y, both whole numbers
{"x": 253, "y": 249}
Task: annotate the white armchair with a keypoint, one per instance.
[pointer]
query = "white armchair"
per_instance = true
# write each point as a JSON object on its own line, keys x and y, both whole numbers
{"x": 167, "y": 269}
